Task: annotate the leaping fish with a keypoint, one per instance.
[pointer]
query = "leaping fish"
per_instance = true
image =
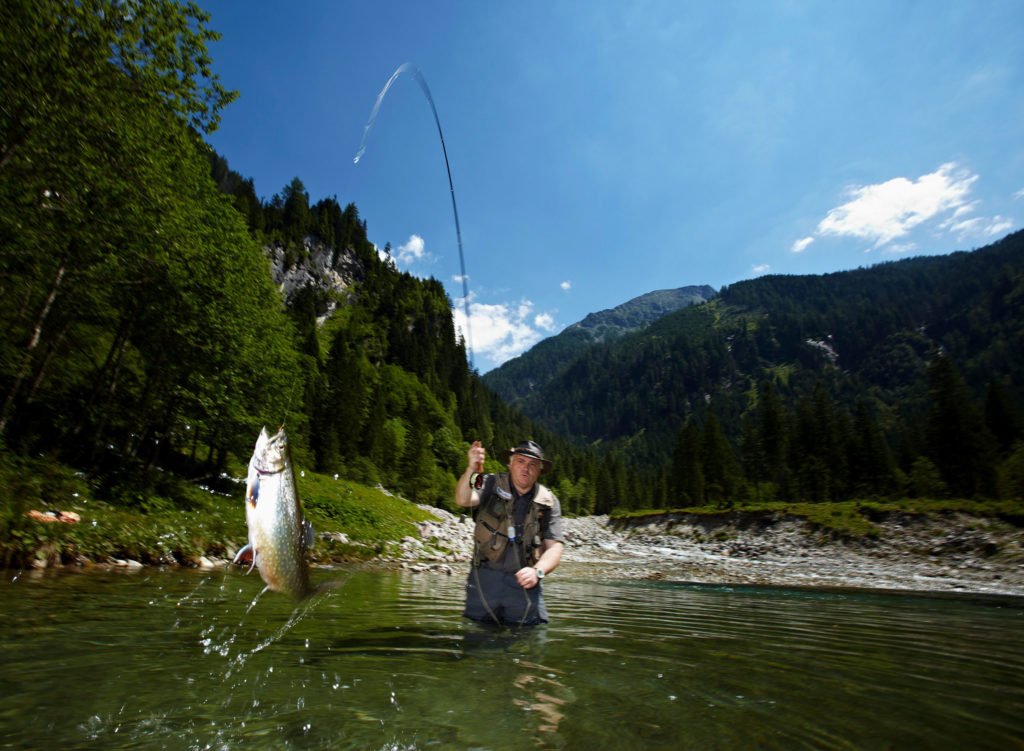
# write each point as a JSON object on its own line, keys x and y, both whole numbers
{"x": 279, "y": 535}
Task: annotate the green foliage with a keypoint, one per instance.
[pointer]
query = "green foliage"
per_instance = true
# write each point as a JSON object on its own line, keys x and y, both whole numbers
{"x": 180, "y": 526}
{"x": 136, "y": 309}
{"x": 364, "y": 514}
{"x": 958, "y": 442}
{"x": 1014, "y": 473}
{"x": 151, "y": 528}
{"x": 577, "y": 498}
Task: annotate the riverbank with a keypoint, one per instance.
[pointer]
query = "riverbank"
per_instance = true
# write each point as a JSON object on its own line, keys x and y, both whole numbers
{"x": 957, "y": 552}
{"x": 930, "y": 547}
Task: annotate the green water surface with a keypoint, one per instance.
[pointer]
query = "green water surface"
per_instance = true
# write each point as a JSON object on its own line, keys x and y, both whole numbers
{"x": 171, "y": 659}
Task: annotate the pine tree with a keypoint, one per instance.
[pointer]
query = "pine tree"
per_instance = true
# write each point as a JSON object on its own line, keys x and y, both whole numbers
{"x": 871, "y": 462}
{"x": 773, "y": 436}
{"x": 720, "y": 468}
{"x": 1003, "y": 417}
{"x": 958, "y": 442}
{"x": 688, "y": 466}
{"x": 295, "y": 212}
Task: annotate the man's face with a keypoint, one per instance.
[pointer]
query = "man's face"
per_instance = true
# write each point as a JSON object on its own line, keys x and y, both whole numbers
{"x": 524, "y": 472}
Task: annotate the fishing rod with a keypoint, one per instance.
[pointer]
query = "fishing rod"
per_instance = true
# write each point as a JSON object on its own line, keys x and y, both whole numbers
{"x": 415, "y": 73}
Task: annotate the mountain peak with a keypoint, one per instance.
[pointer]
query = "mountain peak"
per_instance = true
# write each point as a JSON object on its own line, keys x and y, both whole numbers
{"x": 641, "y": 311}
{"x": 532, "y": 370}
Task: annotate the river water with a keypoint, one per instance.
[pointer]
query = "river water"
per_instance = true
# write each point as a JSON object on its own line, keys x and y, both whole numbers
{"x": 179, "y": 659}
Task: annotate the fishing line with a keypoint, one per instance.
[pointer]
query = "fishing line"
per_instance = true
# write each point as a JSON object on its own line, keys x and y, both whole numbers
{"x": 415, "y": 73}
{"x": 519, "y": 565}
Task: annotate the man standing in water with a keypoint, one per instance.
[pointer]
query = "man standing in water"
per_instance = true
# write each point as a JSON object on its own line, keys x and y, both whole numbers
{"x": 518, "y": 537}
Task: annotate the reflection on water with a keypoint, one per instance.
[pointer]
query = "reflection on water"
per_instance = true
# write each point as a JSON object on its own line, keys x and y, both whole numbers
{"x": 184, "y": 660}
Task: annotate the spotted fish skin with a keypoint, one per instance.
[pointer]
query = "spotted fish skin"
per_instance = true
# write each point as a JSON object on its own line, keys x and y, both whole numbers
{"x": 279, "y": 536}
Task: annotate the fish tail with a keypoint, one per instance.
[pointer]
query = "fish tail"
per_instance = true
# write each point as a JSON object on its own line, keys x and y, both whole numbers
{"x": 327, "y": 586}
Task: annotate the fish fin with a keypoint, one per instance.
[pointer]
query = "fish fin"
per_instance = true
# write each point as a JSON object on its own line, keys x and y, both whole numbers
{"x": 247, "y": 549}
{"x": 252, "y": 489}
{"x": 246, "y": 552}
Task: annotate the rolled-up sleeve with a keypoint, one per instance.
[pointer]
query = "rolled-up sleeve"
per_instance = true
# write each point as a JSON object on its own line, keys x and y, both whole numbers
{"x": 552, "y": 527}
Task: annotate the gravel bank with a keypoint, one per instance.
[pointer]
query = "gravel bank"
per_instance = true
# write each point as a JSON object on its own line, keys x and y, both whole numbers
{"x": 957, "y": 553}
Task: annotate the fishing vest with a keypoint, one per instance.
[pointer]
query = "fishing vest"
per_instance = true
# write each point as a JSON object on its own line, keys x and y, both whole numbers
{"x": 493, "y": 517}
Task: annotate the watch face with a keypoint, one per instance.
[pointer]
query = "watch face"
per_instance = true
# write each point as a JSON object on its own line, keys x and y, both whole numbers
{"x": 540, "y": 573}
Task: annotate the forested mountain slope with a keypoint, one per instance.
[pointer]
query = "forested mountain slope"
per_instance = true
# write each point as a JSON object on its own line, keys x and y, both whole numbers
{"x": 815, "y": 386}
{"x": 534, "y": 369}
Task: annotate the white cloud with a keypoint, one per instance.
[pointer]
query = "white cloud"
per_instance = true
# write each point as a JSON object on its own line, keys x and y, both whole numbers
{"x": 502, "y": 331}
{"x": 1019, "y": 193}
{"x": 964, "y": 226}
{"x": 998, "y": 225}
{"x": 966, "y": 209}
{"x": 761, "y": 268}
{"x": 888, "y": 211}
{"x": 978, "y": 226}
{"x": 544, "y": 321}
{"x": 566, "y": 285}
{"x": 900, "y": 248}
{"x": 801, "y": 245}
{"x": 414, "y": 250}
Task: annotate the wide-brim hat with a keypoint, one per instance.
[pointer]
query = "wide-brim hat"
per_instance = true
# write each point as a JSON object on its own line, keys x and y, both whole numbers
{"x": 530, "y": 449}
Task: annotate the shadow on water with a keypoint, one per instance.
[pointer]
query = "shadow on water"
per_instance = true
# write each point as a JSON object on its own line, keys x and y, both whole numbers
{"x": 451, "y": 644}
{"x": 183, "y": 660}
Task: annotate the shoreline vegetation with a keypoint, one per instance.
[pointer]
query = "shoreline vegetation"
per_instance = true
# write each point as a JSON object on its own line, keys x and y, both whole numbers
{"x": 53, "y": 518}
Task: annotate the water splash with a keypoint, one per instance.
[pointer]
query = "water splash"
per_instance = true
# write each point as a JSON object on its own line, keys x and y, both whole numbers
{"x": 415, "y": 73}
{"x": 239, "y": 660}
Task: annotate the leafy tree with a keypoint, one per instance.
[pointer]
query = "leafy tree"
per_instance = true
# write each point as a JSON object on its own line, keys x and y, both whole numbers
{"x": 926, "y": 479}
{"x": 346, "y": 404}
{"x": 136, "y": 308}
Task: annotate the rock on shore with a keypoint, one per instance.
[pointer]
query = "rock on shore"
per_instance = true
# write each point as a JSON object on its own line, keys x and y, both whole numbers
{"x": 954, "y": 553}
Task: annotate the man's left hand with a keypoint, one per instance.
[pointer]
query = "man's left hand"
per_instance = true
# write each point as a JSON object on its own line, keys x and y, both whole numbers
{"x": 527, "y": 578}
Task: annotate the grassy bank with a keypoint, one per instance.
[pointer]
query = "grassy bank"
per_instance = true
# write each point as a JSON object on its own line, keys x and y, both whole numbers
{"x": 176, "y": 523}
{"x": 852, "y": 519}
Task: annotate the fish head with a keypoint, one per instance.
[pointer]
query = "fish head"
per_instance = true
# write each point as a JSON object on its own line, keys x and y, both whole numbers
{"x": 271, "y": 452}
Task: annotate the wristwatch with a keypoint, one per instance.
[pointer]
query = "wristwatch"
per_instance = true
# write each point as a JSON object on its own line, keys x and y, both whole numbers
{"x": 540, "y": 573}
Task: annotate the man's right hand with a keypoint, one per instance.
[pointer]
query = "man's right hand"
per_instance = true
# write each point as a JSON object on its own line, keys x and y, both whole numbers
{"x": 465, "y": 495}
{"x": 477, "y": 454}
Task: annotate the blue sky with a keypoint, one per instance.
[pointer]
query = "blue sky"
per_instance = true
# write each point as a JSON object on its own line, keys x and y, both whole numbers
{"x": 601, "y": 150}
